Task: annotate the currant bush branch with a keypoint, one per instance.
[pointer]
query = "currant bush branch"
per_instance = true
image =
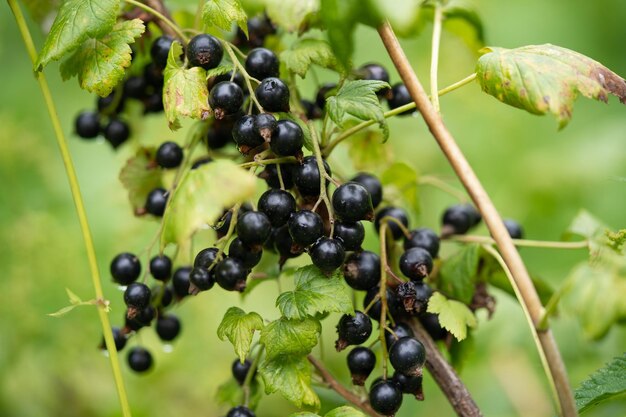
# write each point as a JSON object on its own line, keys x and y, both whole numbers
{"x": 250, "y": 376}
{"x": 434, "y": 60}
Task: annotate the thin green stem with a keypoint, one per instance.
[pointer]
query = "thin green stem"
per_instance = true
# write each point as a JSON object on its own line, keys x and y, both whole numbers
{"x": 250, "y": 376}
{"x": 323, "y": 176}
{"x": 443, "y": 186}
{"x": 80, "y": 211}
{"x": 268, "y": 162}
{"x": 552, "y": 304}
{"x": 231, "y": 53}
{"x": 161, "y": 17}
{"x": 383, "y": 293}
{"x": 583, "y": 244}
{"x": 434, "y": 60}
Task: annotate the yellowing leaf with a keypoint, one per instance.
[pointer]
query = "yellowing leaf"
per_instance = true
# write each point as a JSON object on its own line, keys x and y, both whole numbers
{"x": 453, "y": 315}
{"x": 222, "y": 13}
{"x": 239, "y": 328}
{"x": 305, "y": 52}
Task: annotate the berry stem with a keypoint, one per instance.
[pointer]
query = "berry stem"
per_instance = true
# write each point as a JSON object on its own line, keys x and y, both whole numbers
{"x": 382, "y": 293}
{"x": 323, "y": 176}
{"x": 583, "y": 244}
{"x": 231, "y": 53}
{"x": 268, "y": 162}
{"x": 527, "y": 292}
{"x": 405, "y": 231}
{"x": 169, "y": 26}
{"x": 70, "y": 171}
{"x": 250, "y": 375}
{"x": 434, "y": 59}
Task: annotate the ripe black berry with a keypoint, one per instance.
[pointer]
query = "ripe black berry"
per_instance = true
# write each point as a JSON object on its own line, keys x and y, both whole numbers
{"x": 414, "y": 296}
{"x": 240, "y": 411}
{"x": 352, "y": 202}
{"x": 514, "y": 228}
{"x": 278, "y": 205}
{"x": 87, "y": 125}
{"x": 205, "y": 258}
{"x": 248, "y": 257}
{"x": 262, "y": 63}
{"x": 169, "y": 155}
{"x": 353, "y": 330}
{"x": 226, "y": 98}
{"x": 273, "y": 95}
{"x": 139, "y": 359}
{"x": 423, "y": 238}
{"x": 116, "y": 132}
{"x": 202, "y": 279}
{"x": 265, "y": 125}
{"x": 407, "y": 355}
{"x": 396, "y": 213}
{"x": 204, "y": 51}
{"x": 162, "y": 295}
{"x": 160, "y": 50}
{"x": 153, "y": 75}
{"x": 161, "y": 267}
{"x": 327, "y": 254}
{"x": 219, "y": 135}
{"x": 104, "y": 104}
{"x": 119, "y": 337}
{"x": 307, "y": 176}
{"x": 431, "y": 323}
{"x": 305, "y": 227}
{"x": 416, "y": 264}
{"x": 224, "y": 221}
{"x": 287, "y": 139}
{"x": 137, "y": 296}
{"x": 361, "y": 362}
{"x": 323, "y": 93}
{"x": 231, "y": 275}
{"x": 240, "y": 370}
{"x": 270, "y": 175}
{"x": 140, "y": 318}
{"x": 409, "y": 384}
{"x": 237, "y": 79}
{"x": 168, "y": 327}
{"x": 259, "y": 27}
{"x": 374, "y": 72}
{"x": 458, "y": 219}
{"x": 362, "y": 270}
{"x": 156, "y": 201}
{"x": 180, "y": 281}
{"x": 400, "y": 330}
{"x": 399, "y": 97}
{"x": 125, "y": 268}
{"x": 311, "y": 110}
{"x": 253, "y": 228}
{"x": 245, "y": 134}
{"x": 283, "y": 243}
{"x": 351, "y": 235}
{"x": 135, "y": 87}
{"x": 372, "y": 185}
{"x": 393, "y": 303}
{"x": 153, "y": 103}
{"x": 385, "y": 398}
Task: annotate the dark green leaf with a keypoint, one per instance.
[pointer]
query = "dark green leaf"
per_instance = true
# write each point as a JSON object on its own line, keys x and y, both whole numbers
{"x": 461, "y": 350}
{"x": 290, "y": 337}
{"x": 141, "y": 175}
{"x": 217, "y": 71}
{"x": 290, "y": 14}
{"x": 304, "y": 53}
{"x": 401, "y": 181}
{"x": 546, "y": 79}
{"x": 291, "y": 377}
{"x": 457, "y": 277}
{"x": 454, "y": 316}
{"x": 239, "y": 328}
{"x": 222, "y": 13}
{"x": 602, "y": 385}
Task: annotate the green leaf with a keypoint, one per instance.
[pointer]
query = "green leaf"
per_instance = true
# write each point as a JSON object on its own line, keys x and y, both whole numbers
{"x": 75, "y": 301}
{"x": 141, "y": 175}
{"x": 457, "y": 277}
{"x": 308, "y": 141}
{"x": 460, "y": 350}
{"x": 462, "y": 18}
{"x": 358, "y": 99}
{"x": 304, "y": 53}
{"x": 239, "y": 328}
{"x": 41, "y": 10}
{"x": 492, "y": 273}
{"x": 291, "y": 377}
{"x": 219, "y": 70}
{"x": 454, "y": 316}
{"x": 366, "y": 152}
{"x": 602, "y": 385}
{"x": 230, "y": 394}
{"x": 76, "y": 21}
{"x": 290, "y": 337}
{"x": 222, "y": 13}
{"x": 99, "y": 63}
{"x": 345, "y": 411}
{"x": 185, "y": 93}
{"x": 315, "y": 293}
{"x": 403, "y": 15}
{"x": 290, "y": 14}
{"x": 546, "y": 79}
{"x": 197, "y": 200}
{"x": 401, "y": 180}
{"x": 340, "y": 20}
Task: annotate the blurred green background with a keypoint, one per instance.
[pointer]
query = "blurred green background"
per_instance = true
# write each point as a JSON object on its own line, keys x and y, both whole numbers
{"x": 51, "y": 367}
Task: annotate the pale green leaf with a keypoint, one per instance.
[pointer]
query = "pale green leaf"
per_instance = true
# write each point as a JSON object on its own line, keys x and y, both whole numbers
{"x": 223, "y": 13}
{"x": 457, "y": 277}
{"x": 74, "y": 299}
{"x": 401, "y": 180}
{"x": 546, "y": 79}
{"x": 402, "y": 14}
{"x": 141, "y": 175}
{"x": 345, "y": 411}
{"x": 290, "y": 14}
{"x": 290, "y": 376}
{"x": 185, "y": 93}
{"x": 366, "y": 152}
{"x": 315, "y": 293}
{"x": 41, "y": 10}
{"x": 604, "y": 384}
{"x": 304, "y": 53}
{"x": 454, "y": 316}
{"x": 231, "y": 394}
{"x": 197, "y": 200}
{"x": 219, "y": 70}
{"x": 63, "y": 311}
{"x": 76, "y": 21}
{"x": 239, "y": 328}
{"x": 290, "y": 337}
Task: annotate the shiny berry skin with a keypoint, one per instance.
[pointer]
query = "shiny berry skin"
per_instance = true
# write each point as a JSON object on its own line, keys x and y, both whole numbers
{"x": 180, "y": 281}
{"x": 87, "y": 125}
{"x": 265, "y": 124}
{"x": 162, "y": 295}
{"x": 204, "y": 51}
{"x": 307, "y": 176}
{"x": 408, "y": 355}
{"x": 135, "y": 87}
{"x": 253, "y": 228}
{"x": 262, "y": 63}
{"x": 231, "y": 275}
{"x": 169, "y": 155}
{"x": 399, "y": 96}
{"x": 168, "y": 327}
{"x": 287, "y": 139}
{"x": 205, "y": 258}
{"x": 423, "y": 238}
{"x": 353, "y": 330}
{"x": 240, "y": 370}
{"x": 351, "y": 235}
{"x": 283, "y": 244}
{"x": 139, "y": 359}
{"x": 361, "y": 362}
{"x": 202, "y": 279}
{"x": 396, "y": 213}
{"x": 385, "y": 398}
{"x": 458, "y": 219}
{"x": 393, "y": 303}
{"x": 116, "y": 132}
{"x": 270, "y": 175}
{"x": 161, "y": 267}
{"x": 240, "y": 411}
{"x": 140, "y": 318}
{"x": 323, "y": 93}
{"x": 327, "y": 254}
{"x": 248, "y": 257}
{"x": 119, "y": 337}
{"x": 237, "y": 79}
{"x": 311, "y": 110}
{"x": 374, "y": 72}
{"x": 245, "y": 135}
{"x": 137, "y": 295}
{"x": 125, "y": 268}
{"x": 278, "y": 205}
{"x": 226, "y": 98}
{"x": 400, "y": 330}
{"x": 372, "y": 185}
{"x": 156, "y": 201}
{"x": 416, "y": 264}
{"x": 160, "y": 50}
{"x": 352, "y": 202}
{"x": 362, "y": 270}
{"x": 273, "y": 95}
{"x": 409, "y": 384}
{"x": 514, "y": 228}
{"x": 431, "y": 323}
{"x": 305, "y": 227}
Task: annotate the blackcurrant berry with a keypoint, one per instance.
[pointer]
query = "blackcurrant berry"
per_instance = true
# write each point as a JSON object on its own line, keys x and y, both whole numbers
{"x": 273, "y": 95}
{"x": 223, "y": 223}
{"x": 361, "y": 362}
{"x": 323, "y": 93}
{"x": 362, "y": 270}
{"x": 137, "y": 296}
{"x": 219, "y": 135}
{"x": 352, "y": 202}
{"x": 240, "y": 370}
{"x": 458, "y": 219}
{"x": 156, "y": 201}
{"x": 399, "y": 96}
{"x": 372, "y": 185}
{"x": 416, "y": 264}
{"x": 162, "y": 295}
{"x": 514, "y": 228}
{"x": 393, "y": 303}
{"x": 169, "y": 155}
{"x": 395, "y": 213}
{"x": 87, "y": 125}
{"x": 307, "y": 176}
{"x": 423, "y": 238}
{"x": 305, "y": 227}
{"x": 140, "y": 319}
{"x": 409, "y": 384}
{"x": 153, "y": 75}
{"x": 262, "y": 63}
{"x": 351, "y": 235}
{"x": 311, "y": 111}
{"x": 168, "y": 327}
{"x": 240, "y": 411}
{"x": 153, "y": 103}
{"x": 259, "y": 27}
{"x": 135, "y": 87}
{"x": 374, "y": 72}
{"x": 407, "y": 355}
{"x": 202, "y": 279}
{"x": 400, "y": 330}
{"x": 119, "y": 337}
{"x": 231, "y": 275}
{"x": 180, "y": 281}
{"x": 287, "y": 139}
{"x": 253, "y": 228}
{"x": 283, "y": 243}
{"x": 265, "y": 125}
{"x": 205, "y": 258}
{"x": 204, "y": 51}
{"x": 327, "y": 254}
{"x": 248, "y": 257}
{"x": 385, "y": 398}
{"x": 125, "y": 268}
{"x": 353, "y": 330}
{"x": 237, "y": 79}
{"x": 160, "y": 50}
{"x": 139, "y": 359}
{"x": 414, "y": 296}
{"x": 161, "y": 267}
{"x": 431, "y": 324}
{"x": 104, "y": 104}
{"x": 278, "y": 205}
{"x": 116, "y": 132}
{"x": 226, "y": 98}
{"x": 245, "y": 135}
{"x": 270, "y": 175}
